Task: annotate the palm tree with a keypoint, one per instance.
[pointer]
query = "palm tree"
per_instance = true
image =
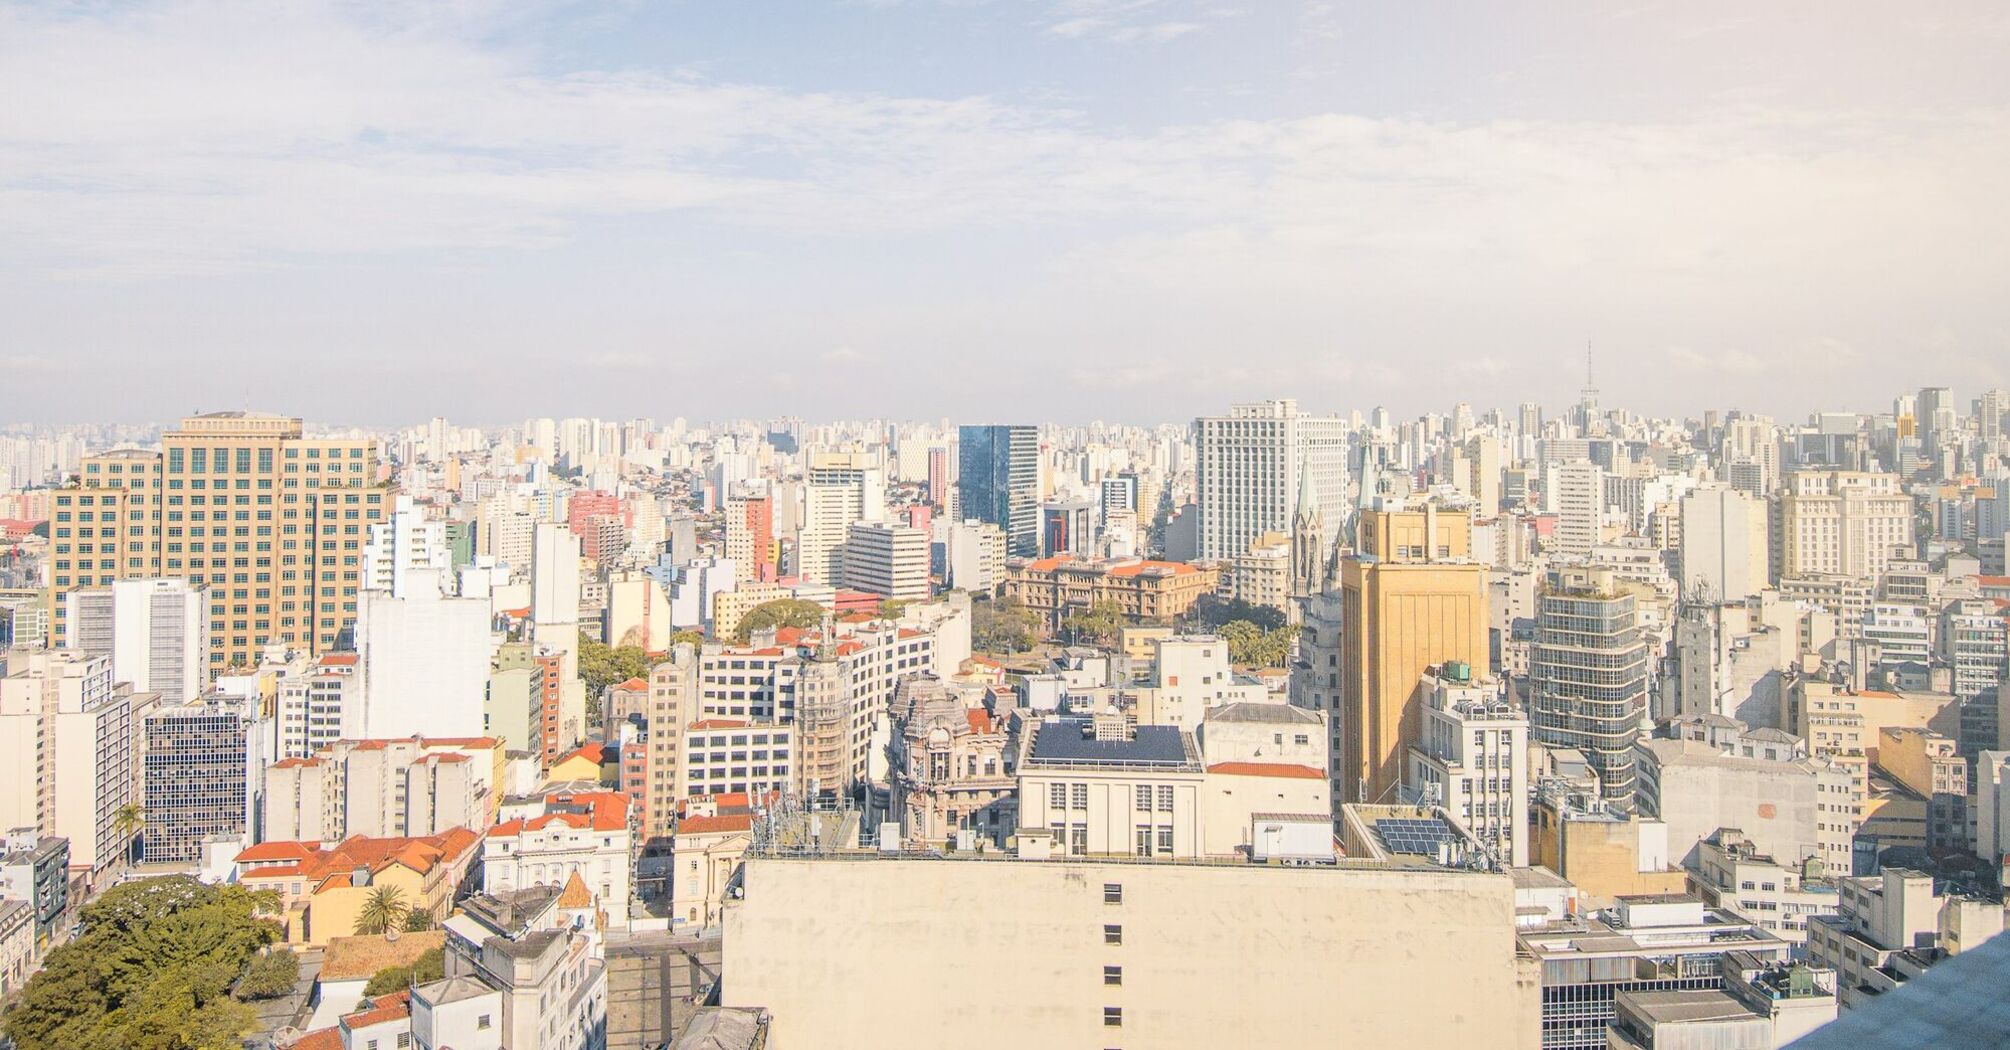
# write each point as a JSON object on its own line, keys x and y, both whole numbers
{"x": 127, "y": 823}
{"x": 382, "y": 911}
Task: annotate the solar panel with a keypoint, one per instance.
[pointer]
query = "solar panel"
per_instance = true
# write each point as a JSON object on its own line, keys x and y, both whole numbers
{"x": 1411, "y": 835}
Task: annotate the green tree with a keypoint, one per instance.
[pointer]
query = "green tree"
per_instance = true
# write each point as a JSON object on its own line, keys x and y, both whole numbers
{"x": 891, "y": 608}
{"x": 688, "y": 637}
{"x": 1213, "y": 613}
{"x": 1003, "y": 625}
{"x": 270, "y": 975}
{"x": 430, "y": 966}
{"x": 151, "y": 968}
{"x": 1253, "y": 646}
{"x": 382, "y": 911}
{"x": 604, "y": 665}
{"x": 782, "y": 612}
{"x": 1098, "y": 623}
{"x": 419, "y": 920}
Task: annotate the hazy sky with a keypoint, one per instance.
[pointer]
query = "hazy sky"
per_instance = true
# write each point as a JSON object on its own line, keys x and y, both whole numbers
{"x": 1030, "y": 209}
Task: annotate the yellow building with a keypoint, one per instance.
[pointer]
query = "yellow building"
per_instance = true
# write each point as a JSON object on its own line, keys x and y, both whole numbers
{"x": 1606, "y": 854}
{"x": 1844, "y": 724}
{"x": 1407, "y": 605}
{"x": 323, "y": 892}
{"x": 272, "y": 522}
{"x": 589, "y": 763}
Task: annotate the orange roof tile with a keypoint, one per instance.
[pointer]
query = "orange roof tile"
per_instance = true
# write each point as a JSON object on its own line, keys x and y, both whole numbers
{"x": 979, "y": 719}
{"x": 634, "y": 685}
{"x": 280, "y": 850}
{"x": 1266, "y": 769}
{"x": 575, "y": 895}
{"x": 295, "y": 763}
{"x": 338, "y": 659}
{"x": 389, "y": 1007}
{"x": 725, "y": 823}
{"x": 320, "y": 1039}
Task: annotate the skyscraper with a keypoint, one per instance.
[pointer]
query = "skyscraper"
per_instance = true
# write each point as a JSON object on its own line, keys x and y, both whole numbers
{"x": 273, "y": 521}
{"x": 1247, "y": 471}
{"x": 1412, "y": 598}
{"x": 998, "y": 480}
{"x": 203, "y": 767}
{"x": 156, "y": 632}
{"x": 1588, "y": 674}
{"x": 841, "y": 488}
{"x": 1843, "y": 523}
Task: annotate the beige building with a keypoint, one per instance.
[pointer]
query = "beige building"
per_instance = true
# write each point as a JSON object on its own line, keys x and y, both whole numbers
{"x": 1605, "y": 853}
{"x": 1926, "y": 764}
{"x": 1843, "y": 724}
{"x": 384, "y": 788}
{"x": 1168, "y": 956}
{"x": 1842, "y": 523}
{"x": 1146, "y": 591}
{"x": 1887, "y": 927}
{"x": 1731, "y": 872}
{"x": 273, "y": 522}
{"x": 1102, "y": 787}
{"x": 1412, "y": 599}
{"x": 1793, "y": 807}
{"x": 950, "y": 768}
{"x": 70, "y": 742}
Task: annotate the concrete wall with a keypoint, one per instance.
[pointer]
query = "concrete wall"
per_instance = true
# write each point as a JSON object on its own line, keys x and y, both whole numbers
{"x": 1011, "y": 954}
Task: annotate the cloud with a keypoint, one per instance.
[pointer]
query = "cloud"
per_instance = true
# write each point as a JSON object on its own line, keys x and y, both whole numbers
{"x": 1727, "y": 362}
{"x": 844, "y": 356}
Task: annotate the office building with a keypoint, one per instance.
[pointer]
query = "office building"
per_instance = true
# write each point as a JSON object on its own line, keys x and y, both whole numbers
{"x": 1575, "y": 493}
{"x": 405, "y": 541}
{"x": 423, "y": 661}
{"x": 1472, "y": 759}
{"x": 271, "y": 521}
{"x": 1588, "y": 674}
{"x": 1843, "y": 523}
{"x": 1411, "y": 599}
{"x": 998, "y": 481}
{"x": 1725, "y": 546}
{"x": 1247, "y": 470}
{"x": 949, "y": 767}
{"x": 36, "y": 868}
{"x": 1661, "y": 943}
{"x": 887, "y": 560}
{"x": 973, "y": 556}
{"x": 1097, "y": 954}
{"x": 839, "y": 490}
{"x": 204, "y": 767}
{"x": 155, "y": 630}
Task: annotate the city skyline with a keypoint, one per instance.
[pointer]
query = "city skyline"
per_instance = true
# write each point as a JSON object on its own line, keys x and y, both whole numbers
{"x": 1134, "y": 209}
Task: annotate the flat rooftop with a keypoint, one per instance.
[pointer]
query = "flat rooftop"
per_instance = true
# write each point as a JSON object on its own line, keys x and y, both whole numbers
{"x": 1073, "y": 741}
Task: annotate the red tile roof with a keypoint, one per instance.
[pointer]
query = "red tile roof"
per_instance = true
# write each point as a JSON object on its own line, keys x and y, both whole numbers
{"x": 592, "y": 752}
{"x": 980, "y": 719}
{"x": 606, "y": 811}
{"x": 1266, "y": 769}
{"x": 391, "y": 1006}
{"x": 634, "y": 685}
{"x": 358, "y": 851}
{"x": 723, "y": 824}
{"x": 338, "y": 660}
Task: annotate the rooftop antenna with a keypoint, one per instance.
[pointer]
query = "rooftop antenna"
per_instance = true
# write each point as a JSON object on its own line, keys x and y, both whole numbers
{"x": 1590, "y": 387}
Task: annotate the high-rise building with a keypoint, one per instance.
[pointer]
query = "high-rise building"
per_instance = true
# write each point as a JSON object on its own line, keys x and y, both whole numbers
{"x": 67, "y": 738}
{"x": 1247, "y": 470}
{"x": 423, "y": 662}
{"x": 750, "y": 537}
{"x": 998, "y": 480}
{"x": 155, "y": 630}
{"x": 1412, "y": 598}
{"x": 888, "y": 560}
{"x": 1843, "y": 523}
{"x": 1588, "y": 674}
{"x": 203, "y": 767}
{"x": 1575, "y": 492}
{"x": 1724, "y": 545}
{"x": 273, "y": 522}
{"x": 1473, "y": 759}
{"x": 405, "y": 541}
{"x": 839, "y": 490}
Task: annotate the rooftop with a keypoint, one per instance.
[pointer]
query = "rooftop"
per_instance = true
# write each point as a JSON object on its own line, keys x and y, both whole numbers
{"x": 358, "y": 958}
{"x": 1268, "y": 714}
{"x": 1066, "y": 741}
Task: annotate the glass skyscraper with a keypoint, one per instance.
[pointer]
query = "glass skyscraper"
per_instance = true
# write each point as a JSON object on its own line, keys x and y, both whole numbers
{"x": 998, "y": 479}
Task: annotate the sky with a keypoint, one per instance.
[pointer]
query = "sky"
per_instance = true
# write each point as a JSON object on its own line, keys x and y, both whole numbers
{"x": 1128, "y": 210}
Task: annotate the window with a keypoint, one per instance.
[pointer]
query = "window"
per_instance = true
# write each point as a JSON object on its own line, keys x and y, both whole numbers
{"x": 1165, "y": 840}
{"x": 1080, "y": 797}
{"x": 1113, "y": 1017}
{"x": 1144, "y": 796}
{"x": 1113, "y": 975}
{"x": 482, "y": 1023}
{"x": 1113, "y": 934}
{"x": 1113, "y": 893}
{"x": 1057, "y": 796}
{"x": 1165, "y": 798}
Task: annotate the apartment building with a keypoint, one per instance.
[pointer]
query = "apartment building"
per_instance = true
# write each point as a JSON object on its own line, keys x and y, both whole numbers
{"x": 1731, "y": 872}
{"x": 1472, "y": 759}
{"x": 69, "y": 739}
{"x": 384, "y": 788}
{"x": 1843, "y": 523}
{"x": 1101, "y": 786}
